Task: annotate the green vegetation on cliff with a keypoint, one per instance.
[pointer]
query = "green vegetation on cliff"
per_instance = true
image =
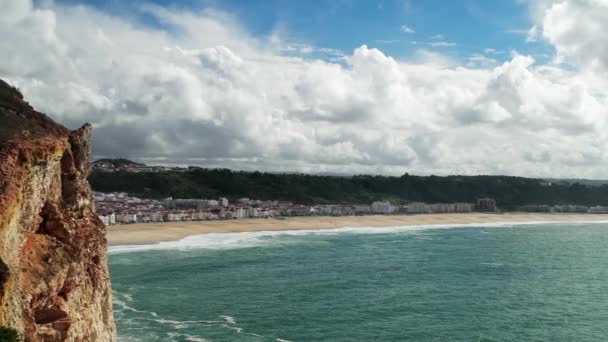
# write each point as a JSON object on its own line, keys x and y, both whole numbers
{"x": 9, "y": 335}
{"x": 510, "y": 192}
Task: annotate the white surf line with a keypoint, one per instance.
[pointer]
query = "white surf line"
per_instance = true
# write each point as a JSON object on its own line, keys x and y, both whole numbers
{"x": 236, "y": 240}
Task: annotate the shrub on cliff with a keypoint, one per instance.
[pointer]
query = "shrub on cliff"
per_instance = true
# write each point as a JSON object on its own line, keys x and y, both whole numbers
{"x": 9, "y": 335}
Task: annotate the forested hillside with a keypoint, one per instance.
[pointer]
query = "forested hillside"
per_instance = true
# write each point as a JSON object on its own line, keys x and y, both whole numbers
{"x": 509, "y": 192}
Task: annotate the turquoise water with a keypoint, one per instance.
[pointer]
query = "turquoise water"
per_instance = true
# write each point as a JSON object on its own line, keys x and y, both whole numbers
{"x": 510, "y": 283}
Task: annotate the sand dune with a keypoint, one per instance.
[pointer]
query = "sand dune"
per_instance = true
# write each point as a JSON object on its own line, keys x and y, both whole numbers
{"x": 171, "y": 231}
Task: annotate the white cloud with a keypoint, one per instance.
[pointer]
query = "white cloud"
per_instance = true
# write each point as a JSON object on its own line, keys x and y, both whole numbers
{"x": 441, "y": 44}
{"x": 576, "y": 29}
{"x": 227, "y": 98}
{"x": 407, "y": 29}
{"x": 387, "y": 41}
{"x": 428, "y": 57}
{"x": 479, "y": 60}
{"x": 307, "y": 49}
{"x": 532, "y": 34}
{"x": 14, "y": 11}
{"x": 491, "y": 51}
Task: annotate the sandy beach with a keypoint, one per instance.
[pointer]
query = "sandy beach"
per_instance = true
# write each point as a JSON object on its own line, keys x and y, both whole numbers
{"x": 135, "y": 234}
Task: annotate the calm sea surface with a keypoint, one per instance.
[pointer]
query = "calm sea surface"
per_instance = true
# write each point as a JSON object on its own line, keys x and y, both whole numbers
{"x": 488, "y": 283}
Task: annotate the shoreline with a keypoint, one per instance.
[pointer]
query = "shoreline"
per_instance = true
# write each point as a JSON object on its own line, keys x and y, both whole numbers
{"x": 151, "y": 233}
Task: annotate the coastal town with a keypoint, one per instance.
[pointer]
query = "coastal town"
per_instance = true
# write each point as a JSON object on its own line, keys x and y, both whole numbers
{"x": 120, "y": 208}
{"x": 125, "y": 165}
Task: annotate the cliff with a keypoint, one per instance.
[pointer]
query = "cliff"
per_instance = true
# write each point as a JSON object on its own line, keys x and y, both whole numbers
{"x": 54, "y": 283}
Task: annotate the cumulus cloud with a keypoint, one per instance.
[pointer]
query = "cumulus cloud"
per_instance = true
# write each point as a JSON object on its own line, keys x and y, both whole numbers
{"x": 575, "y": 28}
{"x": 197, "y": 88}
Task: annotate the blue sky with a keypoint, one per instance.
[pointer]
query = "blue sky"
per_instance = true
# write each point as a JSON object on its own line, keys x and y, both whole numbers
{"x": 455, "y": 28}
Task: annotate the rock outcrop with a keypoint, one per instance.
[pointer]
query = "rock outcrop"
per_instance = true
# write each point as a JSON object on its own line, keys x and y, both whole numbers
{"x": 54, "y": 283}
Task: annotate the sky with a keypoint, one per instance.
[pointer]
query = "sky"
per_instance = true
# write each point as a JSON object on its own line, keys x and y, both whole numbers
{"x": 471, "y": 87}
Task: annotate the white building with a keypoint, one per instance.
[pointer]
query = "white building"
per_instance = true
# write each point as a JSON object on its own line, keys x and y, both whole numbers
{"x": 108, "y": 220}
{"x": 240, "y": 213}
{"x": 252, "y": 212}
{"x": 324, "y": 210}
{"x": 156, "y": 217}
{"x": 379, "y": 207}
{"x": 464, "y": 207}
{"x": 440, "y": 208}
{"x": 126, "y": 218}
{"x": 362, "y": 209}
{"x": 174, "y": 216}
{"x": 104, "y": 219}
{"x": 223, "y": 201}
{"x": 418, "y": 208}
{"x": 143, "y": 218}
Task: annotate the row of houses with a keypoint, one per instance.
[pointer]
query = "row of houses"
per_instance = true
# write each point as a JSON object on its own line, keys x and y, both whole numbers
{"x": 193, "y": 203}
{"x": 189, "y": 203}
{"x": 422, "y": 208}
{"x": 116, "y": 165}
{"x": 568, "y": 208}
{"x": 119, "y": 208}
{"x": 185, "y": 215}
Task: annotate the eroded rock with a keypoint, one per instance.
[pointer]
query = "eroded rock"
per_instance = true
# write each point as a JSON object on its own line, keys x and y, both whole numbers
{"x": 54, "y": 283}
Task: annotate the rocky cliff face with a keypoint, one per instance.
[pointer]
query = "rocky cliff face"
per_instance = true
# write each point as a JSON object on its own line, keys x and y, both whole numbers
{"x": 54, "y": 283}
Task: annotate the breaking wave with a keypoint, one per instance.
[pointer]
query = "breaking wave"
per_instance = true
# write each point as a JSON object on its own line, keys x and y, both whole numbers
{"x": 217, "y": 241}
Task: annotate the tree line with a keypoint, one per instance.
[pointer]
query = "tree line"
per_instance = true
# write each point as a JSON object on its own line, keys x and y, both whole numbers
{"x": 510, "y": 192}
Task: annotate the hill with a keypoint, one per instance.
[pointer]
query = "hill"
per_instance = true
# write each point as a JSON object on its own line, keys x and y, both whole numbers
{"x": 510, "y": 192}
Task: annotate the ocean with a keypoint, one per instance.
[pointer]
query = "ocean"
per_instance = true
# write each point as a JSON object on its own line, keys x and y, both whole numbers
{"x": 494, "y": 282}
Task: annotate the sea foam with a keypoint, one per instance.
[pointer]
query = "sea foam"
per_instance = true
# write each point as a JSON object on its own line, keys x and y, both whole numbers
{"x": 228, "y": 319}
{"x": 217, "y": 241}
